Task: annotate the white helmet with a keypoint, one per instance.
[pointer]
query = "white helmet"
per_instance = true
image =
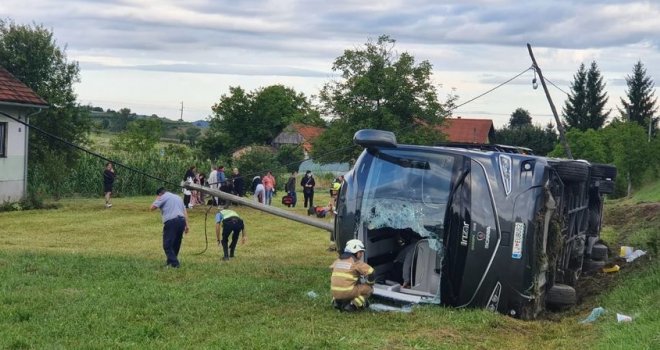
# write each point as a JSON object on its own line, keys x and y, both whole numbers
{"x": 353, "y": 246}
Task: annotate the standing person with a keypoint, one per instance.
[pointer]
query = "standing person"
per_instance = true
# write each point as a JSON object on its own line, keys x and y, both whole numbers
{"x": 175, "y": 223}
{"x": 213, "y": 182}
{"x": 239, "y": 183}
{"x": 349, "y": 293}
{"x": 231, "y": 223}
{"x": 221, "y": 178}
{"x": 202, "y": 182}
{"x": 188, "y": 177}
{"x": 108, "y": 181}
{"x": 269, "y": 187}
{"x": 258, "y": 190}
{"x": 290, "y": 188}
{"x": 308, "y": 184}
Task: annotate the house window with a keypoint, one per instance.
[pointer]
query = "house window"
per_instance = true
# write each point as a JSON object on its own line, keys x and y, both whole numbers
{"x": 3, "y": 140}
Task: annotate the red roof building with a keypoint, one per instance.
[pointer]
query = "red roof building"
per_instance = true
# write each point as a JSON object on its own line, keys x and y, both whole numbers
{"x": 17, "y": 103}
{"x": 298, "y": 134}
{"x": 13, "y": 91}
{"x": 466, "y": 130}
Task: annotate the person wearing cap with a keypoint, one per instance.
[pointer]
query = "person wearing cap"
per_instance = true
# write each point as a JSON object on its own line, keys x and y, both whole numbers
{"x": 175, "y": 223}
{"x": 231, "y": 223}
{"x": 352, "y": 279}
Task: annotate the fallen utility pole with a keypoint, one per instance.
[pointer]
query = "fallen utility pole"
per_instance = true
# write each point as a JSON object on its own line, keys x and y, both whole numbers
{"x": 560, "y": 126}
{"x": 265, "y": 208}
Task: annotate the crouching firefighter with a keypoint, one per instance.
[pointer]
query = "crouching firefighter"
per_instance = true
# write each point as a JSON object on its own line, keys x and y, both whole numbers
{"x": 352, "y": 279}
{"x": 232, "y": 224}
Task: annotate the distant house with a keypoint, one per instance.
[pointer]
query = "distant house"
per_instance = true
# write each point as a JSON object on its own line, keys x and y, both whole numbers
{"x": 298, "y": 134}
{"x": 466, "y": 130}
{"x": 16, "y": 101}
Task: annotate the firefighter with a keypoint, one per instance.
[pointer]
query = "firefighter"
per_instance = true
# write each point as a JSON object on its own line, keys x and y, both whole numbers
{"x": 352, "y": 279}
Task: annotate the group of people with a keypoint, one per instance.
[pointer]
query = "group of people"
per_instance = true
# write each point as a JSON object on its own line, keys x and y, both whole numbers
{"x": 175, "y": 224}
{"x": 351, "y": 282}
{"x": 264, "y": 188}
{"x": 217, "y": 179}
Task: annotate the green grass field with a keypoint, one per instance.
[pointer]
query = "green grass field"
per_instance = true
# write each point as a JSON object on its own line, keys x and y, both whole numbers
{"x": 82, "y": 276}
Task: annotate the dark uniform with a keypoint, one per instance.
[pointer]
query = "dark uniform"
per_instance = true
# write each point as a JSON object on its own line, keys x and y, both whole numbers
{"x": 231, "y": 224}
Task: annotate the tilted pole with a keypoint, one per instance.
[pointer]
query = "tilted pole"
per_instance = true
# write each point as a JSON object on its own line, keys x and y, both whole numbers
{"x": 560, "y": 126}
{"x": 265, "y": 208}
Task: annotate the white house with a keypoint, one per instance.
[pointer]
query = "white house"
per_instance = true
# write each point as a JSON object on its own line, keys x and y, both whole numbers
{"x": 16, "y": 101}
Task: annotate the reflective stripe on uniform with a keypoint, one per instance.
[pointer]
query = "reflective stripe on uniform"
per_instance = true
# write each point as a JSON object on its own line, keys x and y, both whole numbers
{"x": 342, "y": 289}
{"x": 358, "y": 301}
{"x": 346, "y": 275}
{"x": 370, "y": 271}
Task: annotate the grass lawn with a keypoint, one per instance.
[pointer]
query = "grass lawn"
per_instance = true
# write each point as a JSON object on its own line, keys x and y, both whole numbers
{"x": 82, "y": 276}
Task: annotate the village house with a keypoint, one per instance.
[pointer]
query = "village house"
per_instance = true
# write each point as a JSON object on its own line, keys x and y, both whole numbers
{"x": 19, "y": 102}
{"x": 464, "y": 130}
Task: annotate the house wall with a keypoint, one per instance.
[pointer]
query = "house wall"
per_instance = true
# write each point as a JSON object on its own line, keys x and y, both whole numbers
{"x": 12, "y": 168}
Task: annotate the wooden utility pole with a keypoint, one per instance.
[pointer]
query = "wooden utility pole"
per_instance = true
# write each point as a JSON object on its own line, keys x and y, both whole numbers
{"x": 560, "y": 126}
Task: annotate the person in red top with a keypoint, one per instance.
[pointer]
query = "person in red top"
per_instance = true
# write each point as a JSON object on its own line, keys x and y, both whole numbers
{"x": 269, "y": 185}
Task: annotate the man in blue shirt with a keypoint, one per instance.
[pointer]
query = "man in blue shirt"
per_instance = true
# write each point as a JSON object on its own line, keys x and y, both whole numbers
{"x": 175, "y": 223}
{"x": 231, "y": 223}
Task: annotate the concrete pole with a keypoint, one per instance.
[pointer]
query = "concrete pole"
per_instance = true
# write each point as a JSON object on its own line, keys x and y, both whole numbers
{"x": 265, "y": 208}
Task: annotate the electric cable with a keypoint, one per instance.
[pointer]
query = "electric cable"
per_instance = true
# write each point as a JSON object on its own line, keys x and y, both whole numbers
{"x": 553, "y": 84}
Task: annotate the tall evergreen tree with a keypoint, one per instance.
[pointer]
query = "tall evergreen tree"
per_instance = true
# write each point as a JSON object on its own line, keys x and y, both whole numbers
{"x": 641, "y": 104}
{"x": 596, "y": 99}
{"x": 585, "y": 106}
{"x": 574, "y": 106}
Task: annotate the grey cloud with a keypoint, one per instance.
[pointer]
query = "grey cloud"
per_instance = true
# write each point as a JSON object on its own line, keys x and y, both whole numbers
{"x": 260, "y": 70}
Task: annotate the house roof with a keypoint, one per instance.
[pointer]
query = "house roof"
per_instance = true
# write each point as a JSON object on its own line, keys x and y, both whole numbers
{"x": 299, "y": 134}
{"x": 13, "y": 90}
{"x": 309, "y": 133}
{"x": 467, "y": 130}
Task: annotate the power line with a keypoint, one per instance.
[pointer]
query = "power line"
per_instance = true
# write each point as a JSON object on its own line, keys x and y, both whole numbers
{"x": 491, "y": 90}
{"x": 557, "y": 87}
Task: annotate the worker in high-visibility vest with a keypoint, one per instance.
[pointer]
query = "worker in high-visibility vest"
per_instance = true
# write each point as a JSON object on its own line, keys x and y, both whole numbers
{"x": 352, "y": 279}
{"x": 231, "y": 223}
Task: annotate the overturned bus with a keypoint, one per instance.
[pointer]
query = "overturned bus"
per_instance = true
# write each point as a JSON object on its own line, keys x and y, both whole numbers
{"x": 491, "y": 226}
{"x": 484, "y": 226}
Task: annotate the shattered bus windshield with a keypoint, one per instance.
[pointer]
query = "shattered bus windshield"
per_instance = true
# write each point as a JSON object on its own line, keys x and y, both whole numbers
{"x": 403, "y": 191}
{"x": 402, "y": 211}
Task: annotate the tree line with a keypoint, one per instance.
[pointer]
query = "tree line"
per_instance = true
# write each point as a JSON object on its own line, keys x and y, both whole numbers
{"x": 376, "y": 87}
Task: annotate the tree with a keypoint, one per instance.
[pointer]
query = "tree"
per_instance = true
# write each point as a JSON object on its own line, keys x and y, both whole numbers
{"x": 140, "y": 136}
{"x": 378, "y": 89}
{"x": 540, "y": 140}
{"x": 641, "y": 104}
{"x": 629, "y": 151}
{"x": 245, "y": 118}
{"x": 596, "y": 99}
{"x": 32, "y": 55}
{"x": 256, "y": 162}
{"x": 520, "y": 118}
{"x": 290, "y": 157}
{"x": 584, "y": 108}
{"x": 192, "y": 134}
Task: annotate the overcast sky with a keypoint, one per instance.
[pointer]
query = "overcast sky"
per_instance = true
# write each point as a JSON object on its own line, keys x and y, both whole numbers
{"x": 150, "y": 55}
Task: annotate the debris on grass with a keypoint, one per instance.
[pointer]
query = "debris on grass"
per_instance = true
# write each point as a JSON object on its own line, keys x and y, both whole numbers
{"x": 594, "y": 315}
{"x": 614, "y": 268}
{"x": 623, "y": 318}
{"x": 388, "y": 308}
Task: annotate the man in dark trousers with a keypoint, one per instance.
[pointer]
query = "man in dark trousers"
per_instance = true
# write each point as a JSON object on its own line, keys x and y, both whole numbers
{"x": 175, "y": 223}
{"x": 231, "y": 223}
{"x": 307, "y": 183}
